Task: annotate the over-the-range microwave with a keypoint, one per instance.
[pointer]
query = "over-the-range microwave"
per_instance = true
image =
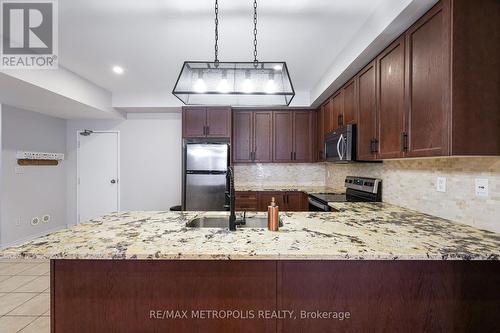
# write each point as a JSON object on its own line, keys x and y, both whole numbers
{"x": 340, "y": 144}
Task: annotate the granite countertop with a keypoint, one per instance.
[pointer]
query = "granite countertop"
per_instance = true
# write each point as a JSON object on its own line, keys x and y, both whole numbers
{"x": 365, "y": 231}
{"x": 287, "y": 188}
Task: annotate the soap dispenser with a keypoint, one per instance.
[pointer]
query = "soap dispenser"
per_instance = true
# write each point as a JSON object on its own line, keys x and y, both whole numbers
{"x": 273, "y": 219}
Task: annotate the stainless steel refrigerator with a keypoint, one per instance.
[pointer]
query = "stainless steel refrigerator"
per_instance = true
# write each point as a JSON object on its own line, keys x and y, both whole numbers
{"x": 204, "y": 176}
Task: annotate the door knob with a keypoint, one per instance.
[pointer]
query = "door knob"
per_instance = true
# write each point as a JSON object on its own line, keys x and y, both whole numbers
{"x": 113, "y": 181}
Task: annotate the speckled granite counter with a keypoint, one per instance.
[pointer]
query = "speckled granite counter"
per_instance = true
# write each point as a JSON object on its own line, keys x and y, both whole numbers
{"x": 287, "y": 188}
{"x": 366, "y": 231}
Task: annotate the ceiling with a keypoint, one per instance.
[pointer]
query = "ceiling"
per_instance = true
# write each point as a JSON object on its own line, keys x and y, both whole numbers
{"x": 151, "y": 38}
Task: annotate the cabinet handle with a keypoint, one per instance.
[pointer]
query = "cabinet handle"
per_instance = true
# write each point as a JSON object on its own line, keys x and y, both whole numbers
{"x": 404, "y": 141}
{"x": 375, "y": 145}
{"x": 371, "y": 146}
{"x": 291, "y": 155}
{"x": 208, "y": 130}
{"x": 294, "y": 155}
{"x": 204, "y": 130}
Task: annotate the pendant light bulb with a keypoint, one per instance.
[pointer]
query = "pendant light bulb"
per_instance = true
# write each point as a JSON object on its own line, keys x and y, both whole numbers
{"x": 271, "y": 85}
{"x": 199, "y": 85}
{"x": 247, "y": 84}
{"x": 223, "y": 84}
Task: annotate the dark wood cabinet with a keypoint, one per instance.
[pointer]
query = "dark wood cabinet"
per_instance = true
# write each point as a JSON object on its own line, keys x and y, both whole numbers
{"x": 367, "y": 114}
{"x": 252, "y": 136}
{"x": 265, "y": 199}
{"x": 303, "y": 144}
{"x": 436, "y": 88}
{"x": 260, "y": 200}
{"x": 273, "y": 136}
{"x": 391, "y": 101}
{"x": 283, "y": 136}
{"x": 200, "y": 122}
{"x": 427, "y": 54}
{"x": 320, "y": 134}
{"x": 262, "y": 136}
{"x": 247, "y": 201}
{"x": 243, "y": 136}
{"x": 337, "y": 110}
{"x": 218, "y": 122}
{"x": 350, "y": 110}
{"x": 194, "y": 122}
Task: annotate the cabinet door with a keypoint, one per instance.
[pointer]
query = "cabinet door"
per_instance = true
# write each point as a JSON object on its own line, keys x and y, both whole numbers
{"x": 302, "y": 136}
{"x": 391, "y": 106}
{"x": 242, "y": 136}
{"x": 328, "y": 116}
{"x": 320, "y": 133}
{"x": 428, "y": 83}
{"x": 367, "y": 113}
{"x": 218, "y": 122}
{"x": 262, "y": 136}
{"x": 337, "y": 110}
{"x": 283, "y": 136}
{"x": 194, "y": 122}
{"x": 350, "y": 103}
{"x": 294, "y": 202}
{"x": 265, "y": 199}
{"x": 246, "y": 201}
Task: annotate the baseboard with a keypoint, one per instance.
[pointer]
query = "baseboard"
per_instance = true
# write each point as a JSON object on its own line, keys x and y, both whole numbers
{"x": 31, "y": 237}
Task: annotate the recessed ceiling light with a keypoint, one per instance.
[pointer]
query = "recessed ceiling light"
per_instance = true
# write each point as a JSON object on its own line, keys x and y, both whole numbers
{"x": 118, "y": 70}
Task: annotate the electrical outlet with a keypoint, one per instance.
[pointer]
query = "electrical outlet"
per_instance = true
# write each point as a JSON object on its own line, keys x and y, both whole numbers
{"x": 481, "y": 186}
{"x": 441, "y": 184}
{"x": 35, "y": 221}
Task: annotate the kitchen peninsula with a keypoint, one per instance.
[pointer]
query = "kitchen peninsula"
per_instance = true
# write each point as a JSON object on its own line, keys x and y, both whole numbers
{"x": 348, "y": 261}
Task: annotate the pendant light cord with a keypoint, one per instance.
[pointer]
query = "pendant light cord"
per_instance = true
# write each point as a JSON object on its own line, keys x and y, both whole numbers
{"x": 255, "y": 61}
{"x": 216, "y": 61}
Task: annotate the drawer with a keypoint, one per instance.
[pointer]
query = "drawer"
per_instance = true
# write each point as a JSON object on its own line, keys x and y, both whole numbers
{"x": 246, "y": 196}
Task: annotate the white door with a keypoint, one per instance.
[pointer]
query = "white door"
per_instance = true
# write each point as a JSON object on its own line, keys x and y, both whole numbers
{"x": 98, "y": 173}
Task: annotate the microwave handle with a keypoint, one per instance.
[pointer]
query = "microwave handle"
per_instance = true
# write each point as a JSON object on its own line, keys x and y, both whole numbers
{"x": 341, "y": 141}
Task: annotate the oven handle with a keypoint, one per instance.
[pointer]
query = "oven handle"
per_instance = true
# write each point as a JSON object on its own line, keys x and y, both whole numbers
{"x": 321, "y": 206}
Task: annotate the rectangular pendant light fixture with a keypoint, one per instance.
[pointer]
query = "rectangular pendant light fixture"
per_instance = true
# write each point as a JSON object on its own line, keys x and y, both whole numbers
{"x": 234, "y": 83}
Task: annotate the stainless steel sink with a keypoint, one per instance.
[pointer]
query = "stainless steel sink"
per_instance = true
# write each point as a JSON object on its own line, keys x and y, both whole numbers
{"x": 223, "y": 222}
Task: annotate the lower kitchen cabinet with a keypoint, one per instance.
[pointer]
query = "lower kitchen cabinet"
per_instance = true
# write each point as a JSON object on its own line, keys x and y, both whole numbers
{"x": 259, "y": 201}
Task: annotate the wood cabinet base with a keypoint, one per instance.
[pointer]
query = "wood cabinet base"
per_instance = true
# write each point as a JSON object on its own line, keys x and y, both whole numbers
{"x": 380, "y": 296}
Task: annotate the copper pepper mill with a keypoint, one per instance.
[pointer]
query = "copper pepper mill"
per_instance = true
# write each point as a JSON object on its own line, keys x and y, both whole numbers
{"x": 273, "y": 218}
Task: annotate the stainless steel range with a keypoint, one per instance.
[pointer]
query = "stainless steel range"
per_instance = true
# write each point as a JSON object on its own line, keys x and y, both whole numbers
{"x": 358, "y": 189}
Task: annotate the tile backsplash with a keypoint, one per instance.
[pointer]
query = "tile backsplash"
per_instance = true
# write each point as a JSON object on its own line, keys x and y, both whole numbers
{"x": 260, "y": 174}
{"x": 411, "y": 183}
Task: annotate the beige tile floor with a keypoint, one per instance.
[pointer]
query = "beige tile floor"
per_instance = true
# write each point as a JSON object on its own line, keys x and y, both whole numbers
{"x": 24, "y": 296}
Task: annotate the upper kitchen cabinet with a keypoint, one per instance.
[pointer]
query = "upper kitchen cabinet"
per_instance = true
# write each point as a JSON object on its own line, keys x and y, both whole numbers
{"x": 263, "y": 134}
{"x": 303, "y": 134}
{"x": 283, "y": 136}
{"x": 367, "y": 114}
{"x": 350, "y": 109}
{"x": 293, "y": 136}
{"x": 210, "y": 122}
{"x": 427, "y": 55}
{"x": 320, "y": 134}
{"x": 337, "y": 110}
{"x": 252, "y": 136}
{"x": 390, "y": 66}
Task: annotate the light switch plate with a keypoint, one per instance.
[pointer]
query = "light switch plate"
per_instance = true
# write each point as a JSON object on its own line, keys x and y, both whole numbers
{"x": 481, "y": 187}
{"x": 441, "y": 184}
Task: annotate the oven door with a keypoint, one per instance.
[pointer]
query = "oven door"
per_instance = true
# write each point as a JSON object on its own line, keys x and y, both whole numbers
{"x": 317, "y": 206}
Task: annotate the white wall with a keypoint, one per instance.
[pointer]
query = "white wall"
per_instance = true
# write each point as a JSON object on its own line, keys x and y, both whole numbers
{"x": 150, "y": 160}
{"x": 38, "y": 190}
